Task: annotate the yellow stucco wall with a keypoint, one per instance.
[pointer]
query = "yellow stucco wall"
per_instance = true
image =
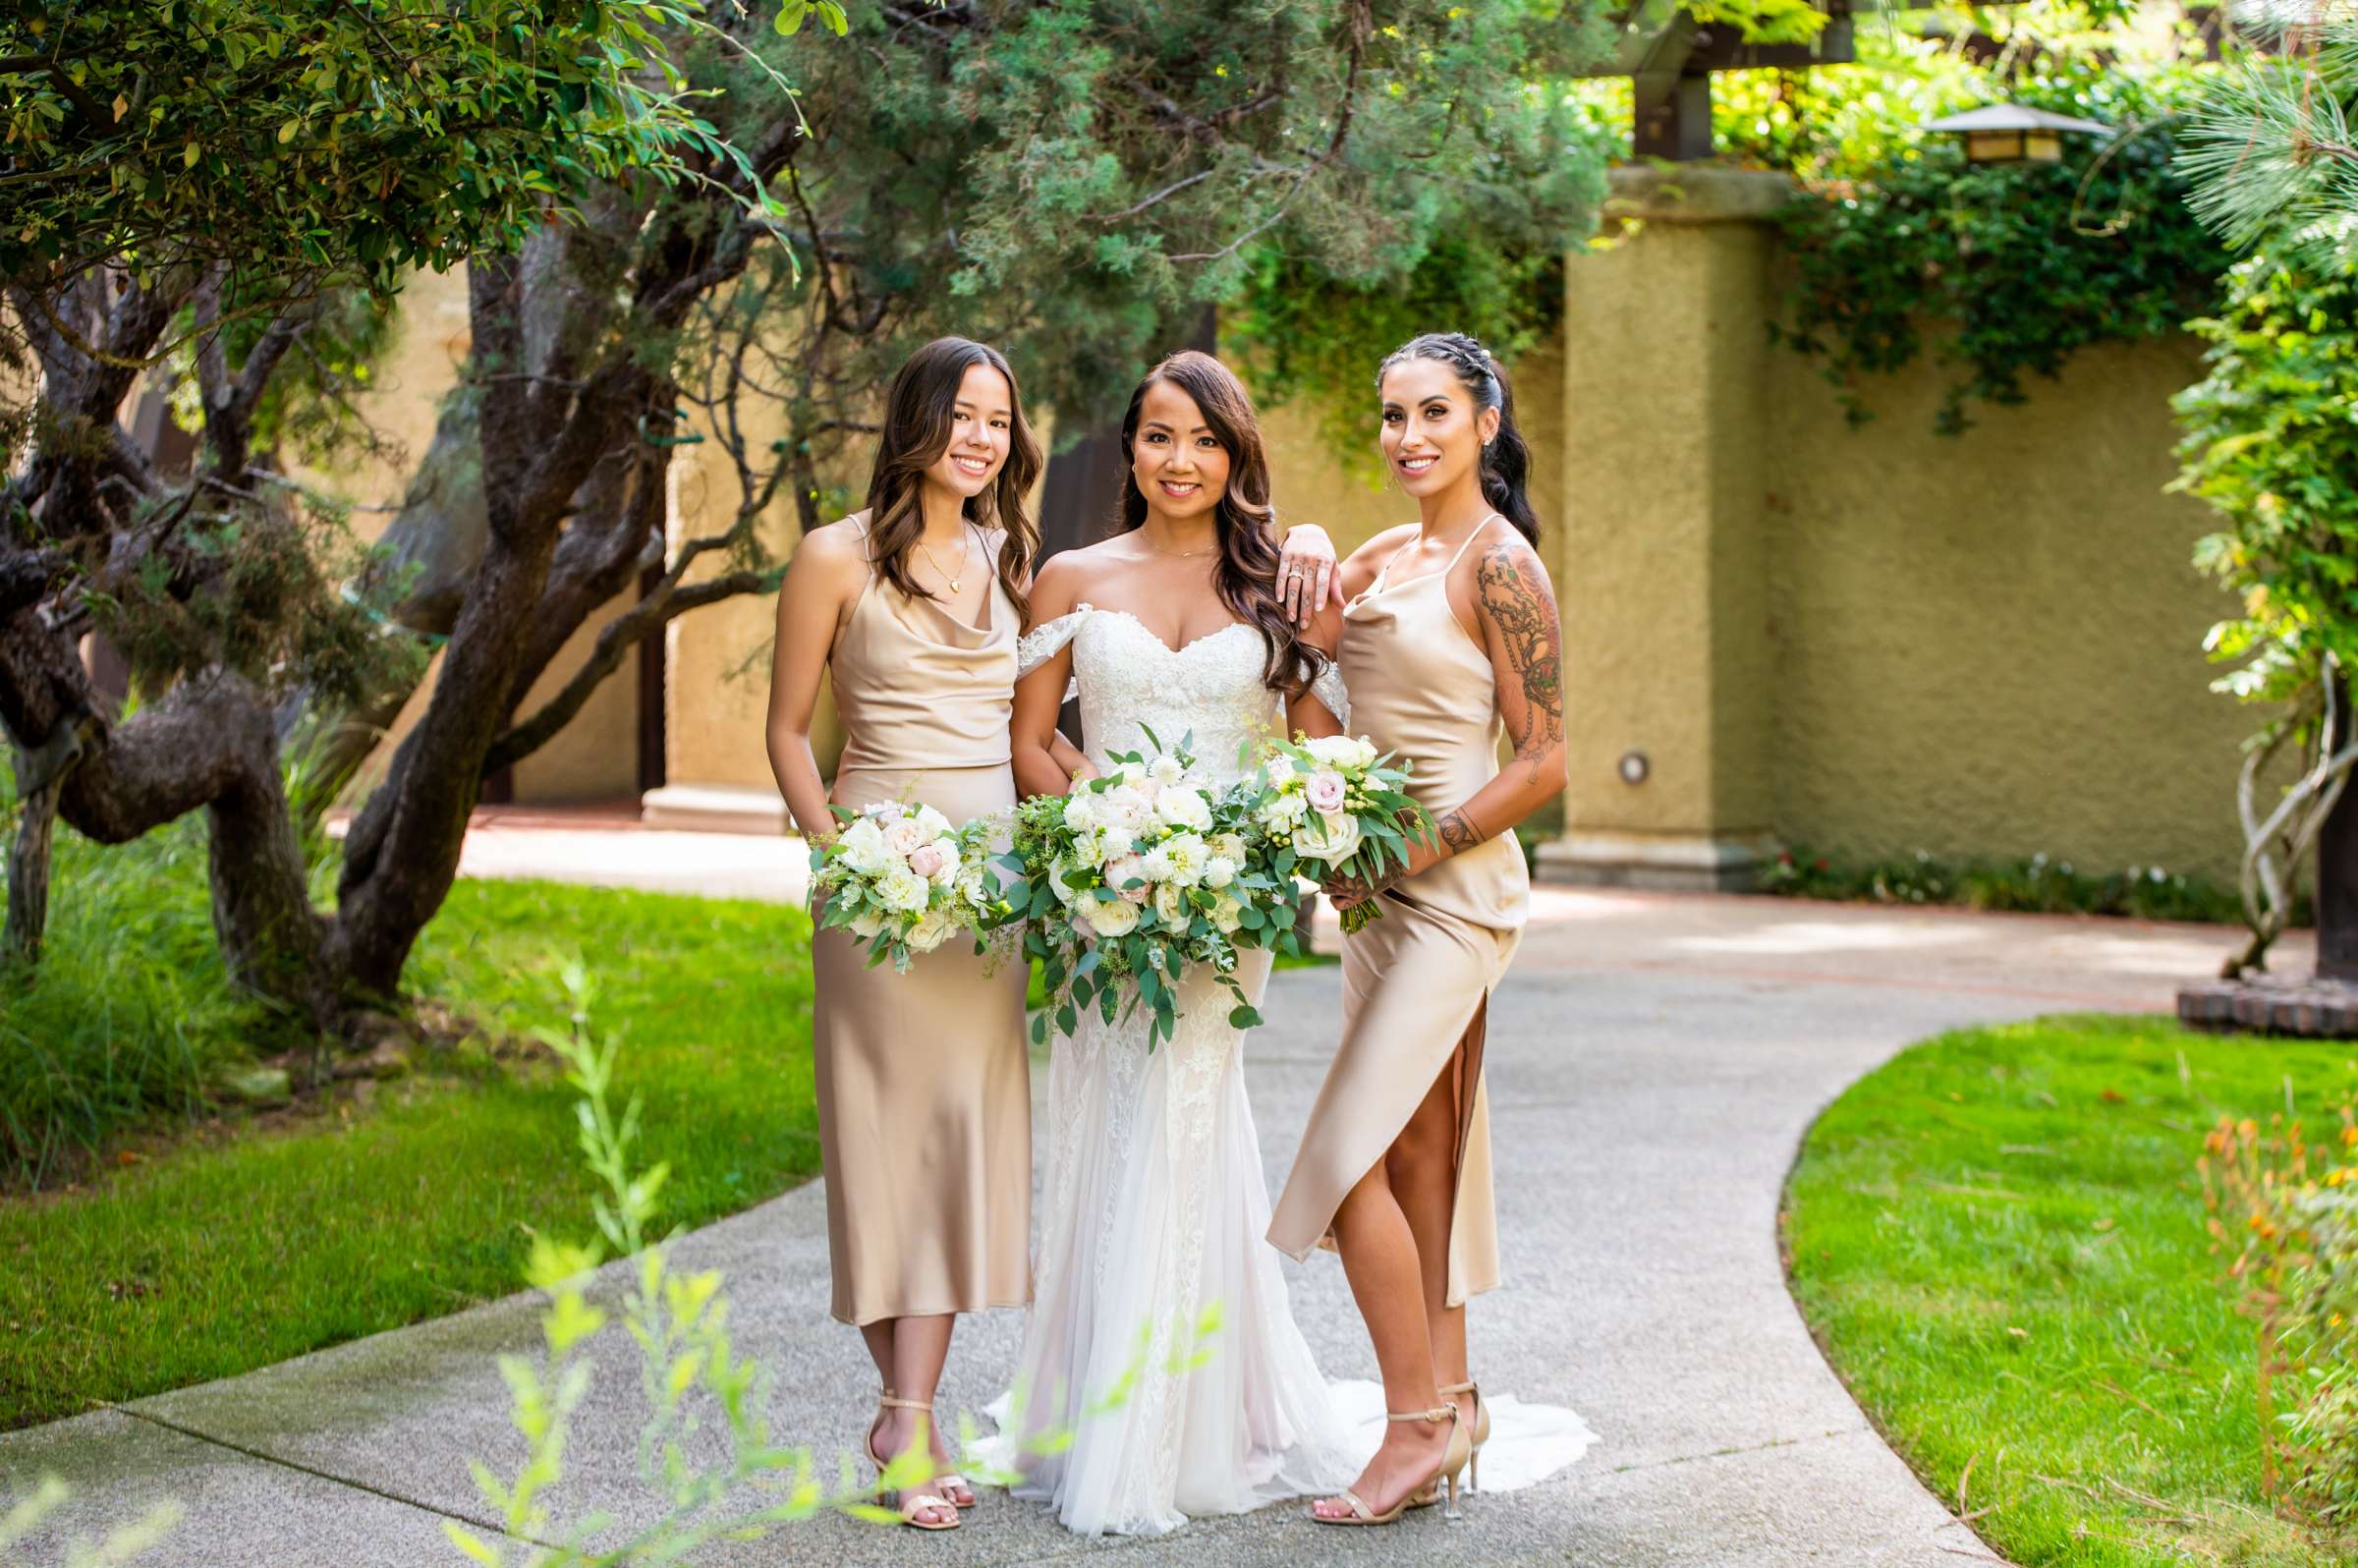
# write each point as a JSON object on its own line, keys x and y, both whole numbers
{"x": 1992, "y": 644}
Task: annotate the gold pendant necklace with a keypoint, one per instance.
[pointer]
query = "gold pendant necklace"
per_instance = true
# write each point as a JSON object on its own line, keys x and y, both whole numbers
{"x": 965, "y": 554}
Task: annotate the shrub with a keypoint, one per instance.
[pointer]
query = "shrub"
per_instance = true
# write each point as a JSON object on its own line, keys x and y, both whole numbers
{"x": 2287, "y": 1206}
{"x": 2037, "y": 885}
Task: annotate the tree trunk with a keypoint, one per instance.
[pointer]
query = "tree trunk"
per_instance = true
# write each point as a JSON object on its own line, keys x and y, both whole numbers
{"x": 2338, "y": 868}
{"x": 29, "y": 872}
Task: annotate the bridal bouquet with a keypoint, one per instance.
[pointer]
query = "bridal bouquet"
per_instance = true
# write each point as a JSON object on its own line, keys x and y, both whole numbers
{"x": 1136, "y": 874}
{"x": 902, "y": 880}
{"x": 1333, "y": 805}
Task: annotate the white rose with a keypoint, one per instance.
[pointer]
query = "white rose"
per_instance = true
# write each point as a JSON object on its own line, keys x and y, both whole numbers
{"x": 1228, "y": 914}
{"x": 1218, "y": 871}
{"x": 862, "y": 847}
{"x": 903, "y": 836}
{"x": 867, "y": 923}
{"x": 902, "y": 890}
{"x": 1111, "y": 916}
{"x": 1332, "y": 839}
{"x": 935, "y": 824}
{"x": 1187, "y": 808}
{"x": 1066, "y": 894}
{"x": 1170, "y": 907}
{"x": 1131, "y": 773}
{"x": 1166, "y": 770}
{"x": 1231, "y": 847}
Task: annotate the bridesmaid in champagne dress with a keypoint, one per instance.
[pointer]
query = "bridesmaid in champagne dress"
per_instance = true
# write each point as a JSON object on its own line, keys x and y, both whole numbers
{"x": 1449, "y": 642}
{"x": 914, "y": 607}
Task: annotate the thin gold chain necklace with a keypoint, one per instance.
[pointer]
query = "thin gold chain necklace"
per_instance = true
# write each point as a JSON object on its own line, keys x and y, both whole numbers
{"x": 966, "y": 553}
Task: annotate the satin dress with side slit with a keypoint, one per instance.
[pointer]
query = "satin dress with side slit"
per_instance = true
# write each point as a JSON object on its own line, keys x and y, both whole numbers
{"x": 1417, "y": 982}
{"x": 923, "y": 1087}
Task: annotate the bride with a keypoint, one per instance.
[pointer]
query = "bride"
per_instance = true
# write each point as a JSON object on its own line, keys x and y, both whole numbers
{"x": 1161, "y": 1375}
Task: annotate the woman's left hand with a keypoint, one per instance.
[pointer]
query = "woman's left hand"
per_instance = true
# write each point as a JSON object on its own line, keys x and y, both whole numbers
{"x": 1306, "y": 573}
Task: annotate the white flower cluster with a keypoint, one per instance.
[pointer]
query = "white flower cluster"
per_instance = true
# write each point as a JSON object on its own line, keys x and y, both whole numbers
{"x": 1148, "y": 838}
{"x": 1316, "y": 809}
{"x": 900, "y": 879}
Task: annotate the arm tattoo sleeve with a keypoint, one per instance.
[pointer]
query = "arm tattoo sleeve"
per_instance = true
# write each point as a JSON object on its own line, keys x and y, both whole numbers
{"x": 1520, "y": 605}
{"x": 1459, "y": 832}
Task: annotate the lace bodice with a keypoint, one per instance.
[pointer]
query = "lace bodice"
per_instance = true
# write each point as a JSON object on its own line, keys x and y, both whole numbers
{"x": 1130, "y": 681}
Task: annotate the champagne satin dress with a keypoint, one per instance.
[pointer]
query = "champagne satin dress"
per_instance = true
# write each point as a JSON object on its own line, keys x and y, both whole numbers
{"x": 924, "y": 1088}
{"x": 1417, "y": 981}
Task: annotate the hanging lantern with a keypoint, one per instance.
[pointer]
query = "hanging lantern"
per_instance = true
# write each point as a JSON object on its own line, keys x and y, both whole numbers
{"x": 2009, "y": 132}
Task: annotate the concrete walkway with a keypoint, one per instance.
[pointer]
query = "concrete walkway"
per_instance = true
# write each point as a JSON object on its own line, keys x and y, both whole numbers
{"x": 1655, "y": 1061}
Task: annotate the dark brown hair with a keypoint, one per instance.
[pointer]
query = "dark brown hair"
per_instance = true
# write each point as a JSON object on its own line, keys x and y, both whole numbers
{"x": 1505, "y": 461}
{"x": 1247, "y": 578}
{"x": 916, "y": 431}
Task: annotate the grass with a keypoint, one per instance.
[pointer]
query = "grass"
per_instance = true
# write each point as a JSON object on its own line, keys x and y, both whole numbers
{"x": 1999, "y": 1237}
{"x": 265, "y": 1238}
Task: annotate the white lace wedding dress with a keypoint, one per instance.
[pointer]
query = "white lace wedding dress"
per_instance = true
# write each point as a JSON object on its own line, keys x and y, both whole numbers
{"x": 1160, "y": 1364}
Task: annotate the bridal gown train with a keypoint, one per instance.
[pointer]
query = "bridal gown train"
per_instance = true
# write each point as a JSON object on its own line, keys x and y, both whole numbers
{"x": 1162, "y": 1374}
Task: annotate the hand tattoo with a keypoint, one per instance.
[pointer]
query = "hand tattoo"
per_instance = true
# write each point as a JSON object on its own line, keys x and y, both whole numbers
{"x": 1520, "y": 605}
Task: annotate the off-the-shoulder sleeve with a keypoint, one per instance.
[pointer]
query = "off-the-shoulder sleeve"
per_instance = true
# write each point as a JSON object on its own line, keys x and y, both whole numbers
{"x": 1329, "y": 689}
{"x": 1047, "y": 640}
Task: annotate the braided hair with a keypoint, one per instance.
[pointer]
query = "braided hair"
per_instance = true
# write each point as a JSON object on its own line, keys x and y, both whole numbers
{"x": 1505, "y": 458}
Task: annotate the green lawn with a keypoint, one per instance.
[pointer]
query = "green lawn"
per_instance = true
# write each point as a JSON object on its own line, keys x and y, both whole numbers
{"x": 229, "y": 1253}
{"x": 1998, "y": 1237}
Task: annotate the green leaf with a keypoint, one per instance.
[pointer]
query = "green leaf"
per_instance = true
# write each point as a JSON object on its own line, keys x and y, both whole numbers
{"x": 789, "y": 16}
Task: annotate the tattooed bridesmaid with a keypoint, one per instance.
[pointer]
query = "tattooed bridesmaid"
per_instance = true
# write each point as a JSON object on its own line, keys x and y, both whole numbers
{"x": 1449, "y": 637}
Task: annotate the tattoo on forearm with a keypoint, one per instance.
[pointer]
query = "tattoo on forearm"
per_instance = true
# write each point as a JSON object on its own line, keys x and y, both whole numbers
{"x": 1459, "y": 832}
{"x": 1520, "y": 605}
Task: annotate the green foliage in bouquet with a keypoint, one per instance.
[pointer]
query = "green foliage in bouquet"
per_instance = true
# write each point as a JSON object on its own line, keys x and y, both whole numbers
{"x": 1338, "y": 808}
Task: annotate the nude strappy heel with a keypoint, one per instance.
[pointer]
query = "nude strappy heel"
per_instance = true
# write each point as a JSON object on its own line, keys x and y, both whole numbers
{"x": 1453, "y": 1463}
{"x": 909, "y": 1504}
{"x": 1481, "y": 1429}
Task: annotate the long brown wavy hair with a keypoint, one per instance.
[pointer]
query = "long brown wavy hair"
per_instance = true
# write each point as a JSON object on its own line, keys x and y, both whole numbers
{"x": 916, "y": 431}
{"x": 1243, "y": 519}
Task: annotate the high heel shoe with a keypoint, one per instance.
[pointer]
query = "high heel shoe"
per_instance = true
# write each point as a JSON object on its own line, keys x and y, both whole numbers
{"x": 1481, "y": 1429}
{"x": 909, "y": 1504}
{"x": 1454, "y": 1454}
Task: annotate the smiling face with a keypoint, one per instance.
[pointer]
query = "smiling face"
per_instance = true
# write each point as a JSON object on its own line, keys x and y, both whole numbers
{"x": 1433, "y": 433}
{"x": 1178, "y": 463}
{"x": 980, "y": 426}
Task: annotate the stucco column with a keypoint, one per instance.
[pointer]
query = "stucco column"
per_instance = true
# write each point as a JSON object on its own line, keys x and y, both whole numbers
{"x": 1662, "y": 570}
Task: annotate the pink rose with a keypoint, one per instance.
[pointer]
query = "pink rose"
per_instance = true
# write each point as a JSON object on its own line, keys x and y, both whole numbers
{"x": 1128, "y": 869}
{"x": 1326, "y": 791}
{"x": 903, "y": 837}
{"x": 928, "y": 860}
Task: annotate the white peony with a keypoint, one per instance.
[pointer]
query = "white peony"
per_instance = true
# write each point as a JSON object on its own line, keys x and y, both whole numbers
{"x": 1166, "y": 770}
{"x": 1280, "y": 812}
{"x": 1218, "y": 871}
{"x": 1332, "y": 839}
{"x": 1341, "y": 750}
{"x": 1126, "y": 806}
{"x": 1170, "y": 907}
{"x": 1184, "y": 808}
{"x": 901, "y": 838}
{"x": 1131, "y": 773}
{"x": 935, "y": 824}
{"x": 932, "y": 931}
{"x": 862, "y": 847}
{"x": 903, "y": 891}
{"x": 1111, "y": 916}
